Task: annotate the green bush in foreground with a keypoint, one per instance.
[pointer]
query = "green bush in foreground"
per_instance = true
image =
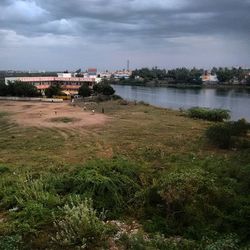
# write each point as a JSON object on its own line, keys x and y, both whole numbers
{"x": 112, "y": 184}
{"x": 80, "y": 225}
{"x": 217, "y": 115}
{"x": 226, "y": 135}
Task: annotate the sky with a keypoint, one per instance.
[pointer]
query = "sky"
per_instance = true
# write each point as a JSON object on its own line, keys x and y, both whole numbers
{"x": 73, "y": 34}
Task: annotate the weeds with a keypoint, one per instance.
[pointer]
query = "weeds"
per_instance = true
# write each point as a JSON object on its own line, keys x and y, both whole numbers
{"x": 80, "y": 226}
{"x": 216, "y": 115}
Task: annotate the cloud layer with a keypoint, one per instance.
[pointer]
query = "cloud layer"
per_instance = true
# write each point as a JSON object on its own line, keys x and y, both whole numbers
{"x": 58, "y": 34}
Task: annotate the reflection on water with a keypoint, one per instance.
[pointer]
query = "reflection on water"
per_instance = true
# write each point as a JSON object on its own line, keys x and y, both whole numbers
{"x": 235, "y": 100}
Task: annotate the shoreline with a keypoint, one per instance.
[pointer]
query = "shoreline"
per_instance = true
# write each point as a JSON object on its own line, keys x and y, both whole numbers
{"x": 188, "y": 86}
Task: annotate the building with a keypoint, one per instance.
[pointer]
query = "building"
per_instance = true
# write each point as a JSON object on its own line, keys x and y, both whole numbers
{"x": 92, "y": 73}
{"x": 124, "y": 74}
{"x": 208, "y": 78}
{"x": 69, "y": 84}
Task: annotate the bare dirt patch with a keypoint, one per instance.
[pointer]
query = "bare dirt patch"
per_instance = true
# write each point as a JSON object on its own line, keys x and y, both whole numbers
{"x": 61, "y": 115}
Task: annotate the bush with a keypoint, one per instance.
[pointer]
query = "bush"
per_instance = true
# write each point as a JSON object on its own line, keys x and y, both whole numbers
{"x": 80, "y": 225}
{"x": 84, "y": 90}
{"x": 3, "y": 89}
{"x": 103, "y": 88}
{"x": 225, "y": 135}
{"x": 34, "y": 204}
{"x": 53, "y": 90}
{"x": 21, "y": 89}
{"x": 141, "y": 241}
{"x": 217, "y": 115}
{"x": 112, "y": 184}
{"x": 10, "y": 242}
{"x": 4, "y": 169}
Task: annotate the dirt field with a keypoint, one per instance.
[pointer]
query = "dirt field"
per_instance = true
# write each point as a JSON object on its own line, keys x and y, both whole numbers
{"x": 61, "y": 115}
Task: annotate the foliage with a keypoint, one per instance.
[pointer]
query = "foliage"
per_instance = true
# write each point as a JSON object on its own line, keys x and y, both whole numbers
{"x": 226, "y": 75}
{"x": 18, "y": 88}
{"x": 4, "y": 169}
{"x": 103, "y": 88}
{"x": 179, "y": 75}
{"x": 84, "y": 90}
{"x": 63, "y": 119}
{"x": 190, "y": 199}
{"x": 216, "y": 115}
{"x": 10, "y": 242}
{"x": 34, "y": 204}
{"x": 3, "y": 89}
{"x": 225, "y": 135}
{"x": 112, "y": 184}
{"x": 53, "y": 90}
{"x": 80, "y": 225}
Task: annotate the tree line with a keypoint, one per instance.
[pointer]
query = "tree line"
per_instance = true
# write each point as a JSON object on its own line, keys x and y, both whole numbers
{"x": 188, "y": 76}
{"x": 22, "y": 89}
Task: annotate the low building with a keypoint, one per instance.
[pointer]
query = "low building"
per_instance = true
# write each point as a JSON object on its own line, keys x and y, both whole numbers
{"x": 124, "y": 74}
{"x": 208, "y": 78}
{"x": 68, "y": 83}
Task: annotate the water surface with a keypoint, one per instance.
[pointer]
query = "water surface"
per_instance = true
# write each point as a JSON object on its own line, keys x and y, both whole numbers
{"x": 235, "y": 100}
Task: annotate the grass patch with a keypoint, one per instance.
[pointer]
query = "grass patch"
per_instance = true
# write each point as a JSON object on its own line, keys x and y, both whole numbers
{"x": 64, "y": 119}
{"x": 216, "y": 115}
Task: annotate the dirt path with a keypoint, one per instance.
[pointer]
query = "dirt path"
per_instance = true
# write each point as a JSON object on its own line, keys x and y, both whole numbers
{"x": 61, "y": 115}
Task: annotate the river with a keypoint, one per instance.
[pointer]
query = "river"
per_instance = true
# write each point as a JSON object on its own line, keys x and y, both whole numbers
{"x": 235, "y": 100}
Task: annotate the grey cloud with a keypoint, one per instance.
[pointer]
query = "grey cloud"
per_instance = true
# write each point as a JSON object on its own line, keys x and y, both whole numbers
{"x": 128, "y": 25}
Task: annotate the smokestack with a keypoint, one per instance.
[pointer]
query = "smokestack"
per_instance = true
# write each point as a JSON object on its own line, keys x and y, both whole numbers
{"x": 128, "y": 65}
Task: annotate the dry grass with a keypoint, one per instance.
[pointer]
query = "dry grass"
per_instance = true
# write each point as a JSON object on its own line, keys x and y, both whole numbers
{"x": 138, "y": 132}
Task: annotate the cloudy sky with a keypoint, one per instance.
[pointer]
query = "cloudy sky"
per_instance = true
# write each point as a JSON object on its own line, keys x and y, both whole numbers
{"x": 72, "y": 34}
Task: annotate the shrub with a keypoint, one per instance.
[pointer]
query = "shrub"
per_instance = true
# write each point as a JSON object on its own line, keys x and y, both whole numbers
{"x": 21, "y": 89}
{"x": 80, "y": 225}
{"x": 53, "y": 90}
{"x": 216, "y": 115}
{"x": 4, "y": 169}
{"x": 34, "y": 204}
{"x": 141, "y": 241}
{"x": 192, "y": 199}
{"x": 220, "y": 136}
{"x": 84, "y": 90}
{"x": 10, "y": 242}
{"x": 116, "y": 97}
{"x": 225, "y": 135}
{"x": 112, "y": 184}
{"x": 103, "y": 88}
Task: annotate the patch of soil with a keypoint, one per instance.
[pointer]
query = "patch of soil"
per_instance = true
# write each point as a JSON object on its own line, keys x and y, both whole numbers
{"x": 61, "y": 115}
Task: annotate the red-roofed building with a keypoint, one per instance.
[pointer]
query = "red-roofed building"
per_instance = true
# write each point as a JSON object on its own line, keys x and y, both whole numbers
{"x": 67, "y": 83}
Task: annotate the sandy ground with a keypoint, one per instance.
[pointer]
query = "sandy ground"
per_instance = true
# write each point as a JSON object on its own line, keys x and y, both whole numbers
{"x": 40, "y": 114}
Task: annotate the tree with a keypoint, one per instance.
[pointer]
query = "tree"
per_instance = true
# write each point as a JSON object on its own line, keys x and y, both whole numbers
{"x": 3, "y": 88}
{"x": 21, "y": 89}
{"x": 84, "y": 90}
{"x": 53, "y": 90}
{"x": 103, "y": 88}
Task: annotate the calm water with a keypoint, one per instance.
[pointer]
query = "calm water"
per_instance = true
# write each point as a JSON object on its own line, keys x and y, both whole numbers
{"x": 235, "y": 100}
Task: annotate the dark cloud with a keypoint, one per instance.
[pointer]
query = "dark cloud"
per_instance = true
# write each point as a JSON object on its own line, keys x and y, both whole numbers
{"x": 132, "y": 27}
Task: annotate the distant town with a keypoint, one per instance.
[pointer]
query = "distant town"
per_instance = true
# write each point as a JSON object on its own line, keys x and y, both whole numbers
{"x": 70, "y": 82}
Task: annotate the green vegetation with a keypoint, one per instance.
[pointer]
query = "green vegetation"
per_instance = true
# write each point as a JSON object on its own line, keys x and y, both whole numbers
{"x": 183, "y": 77}
{"x": 229, "y": 134}
{"x": 63, "y": 119}
{"x": 103, "y": 88}
{"x": 53, "y": 90}
{"x": 80, "y": 225}
{"x": 216, "y": 115}
{"x": 17, "y": 88}
{"x": 147, "y": 179}
{"x": 84, "y": 90}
